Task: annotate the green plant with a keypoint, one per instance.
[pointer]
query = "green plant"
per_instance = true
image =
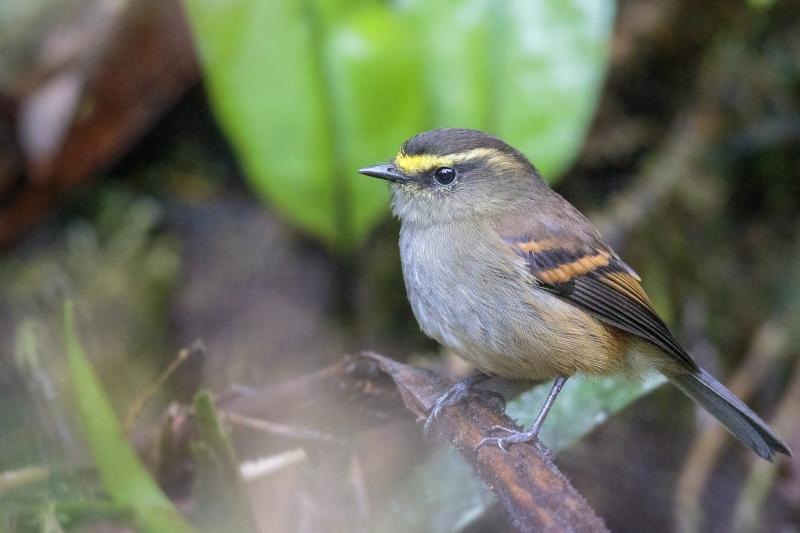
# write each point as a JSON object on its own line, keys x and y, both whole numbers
{"x": 309, "y": 91}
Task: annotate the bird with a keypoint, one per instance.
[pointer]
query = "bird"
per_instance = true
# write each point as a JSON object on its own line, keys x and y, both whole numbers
{"x": 508, "y": 275}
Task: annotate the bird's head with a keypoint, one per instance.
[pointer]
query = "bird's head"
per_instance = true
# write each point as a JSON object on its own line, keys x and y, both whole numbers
{"x": 450, "y": 174}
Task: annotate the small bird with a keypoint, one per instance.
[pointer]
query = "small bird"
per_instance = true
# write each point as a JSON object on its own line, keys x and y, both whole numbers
{"x": 514, "y": 280}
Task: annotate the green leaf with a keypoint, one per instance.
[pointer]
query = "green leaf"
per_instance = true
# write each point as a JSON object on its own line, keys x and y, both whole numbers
{"x": 458, "y": 61}
{"x": 552, "y": 62}
{"x": 267, "y": 89}
{"x": 528, "y": 71}
{"x": 309, "y": 91}
{"x": 124, "y": 476}
{"x": 299, "y": 88}
{"x": 443, "y": 495}
{"x": 375, "y": 84}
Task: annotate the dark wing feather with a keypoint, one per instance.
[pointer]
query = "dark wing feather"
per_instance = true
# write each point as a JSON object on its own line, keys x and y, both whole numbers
{"x": 591, "y": 276}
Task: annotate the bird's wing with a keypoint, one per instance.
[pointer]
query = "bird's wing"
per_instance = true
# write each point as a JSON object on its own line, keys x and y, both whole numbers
{"x": 583, "y": 270}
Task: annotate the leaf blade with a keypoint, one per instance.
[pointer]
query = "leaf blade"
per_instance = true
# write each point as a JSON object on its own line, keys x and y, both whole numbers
{"x": 266, "y": 89}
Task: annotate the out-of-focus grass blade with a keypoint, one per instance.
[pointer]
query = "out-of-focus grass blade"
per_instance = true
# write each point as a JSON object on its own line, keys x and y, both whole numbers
{"x": 442, "y": 495}
{"x": 124, "y": 476}
{"x": 221, "y": 497}
{"x": 49, "y": 522}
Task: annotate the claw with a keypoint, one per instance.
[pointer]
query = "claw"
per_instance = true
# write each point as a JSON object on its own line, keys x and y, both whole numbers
{"x": 503, "y": 428}
{"x": 488, "y": 441}
{"x": 514, "y": 437}
{"x": 455, "y": 394}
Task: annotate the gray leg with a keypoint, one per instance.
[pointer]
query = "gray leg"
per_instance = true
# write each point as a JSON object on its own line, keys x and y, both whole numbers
{"x": 515, "y": 437}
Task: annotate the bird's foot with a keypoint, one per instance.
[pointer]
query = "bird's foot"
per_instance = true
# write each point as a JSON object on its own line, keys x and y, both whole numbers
{"x": 513, "y": 437}
{"x": 457, "y": 393}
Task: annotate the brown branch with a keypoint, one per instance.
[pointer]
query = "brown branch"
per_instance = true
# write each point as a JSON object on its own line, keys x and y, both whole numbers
{"x": 525, "y": 480}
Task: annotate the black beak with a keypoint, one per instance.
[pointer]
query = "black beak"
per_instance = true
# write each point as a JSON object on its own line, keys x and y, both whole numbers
{"x": 384, "y": 172}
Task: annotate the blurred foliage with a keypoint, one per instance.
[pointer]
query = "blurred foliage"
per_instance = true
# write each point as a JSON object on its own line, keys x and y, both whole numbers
{"x": 43, "y": 500}
{"x": 221, "y": 494}
{"x": 760, "y": 4}
{"x": 109, "y": 242}
{"x": 581, "y": 406}
{"x": 309, "y": 91}
{"x": 124, "y": 476}
{"x": 21, "y": 27}
{"x": 93, "y": 259}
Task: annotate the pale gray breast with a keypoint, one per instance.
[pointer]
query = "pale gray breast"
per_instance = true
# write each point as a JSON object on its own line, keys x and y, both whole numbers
{"x": 467, "y": 289}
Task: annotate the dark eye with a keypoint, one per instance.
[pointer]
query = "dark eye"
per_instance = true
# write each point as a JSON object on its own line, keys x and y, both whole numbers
{"x": 445, "y": 175}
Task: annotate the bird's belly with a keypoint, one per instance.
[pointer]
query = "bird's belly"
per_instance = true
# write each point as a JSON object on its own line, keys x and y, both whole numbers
{"x": 496, "y": 319}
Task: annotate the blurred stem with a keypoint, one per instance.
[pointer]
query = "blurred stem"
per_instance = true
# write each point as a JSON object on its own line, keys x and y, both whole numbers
{"x": 222, "y": 495}
{"x": 138, "y": 405}
{"x": 94, "y": 509}
{"x": 11, "y": 479}
{"x": 768, "y": 346}
{"x": 675, "y": 163}
{"x": 762, "y": 473}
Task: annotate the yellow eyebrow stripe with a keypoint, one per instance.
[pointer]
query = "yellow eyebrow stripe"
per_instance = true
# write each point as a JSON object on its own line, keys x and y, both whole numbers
{"x": 414, "y": 164}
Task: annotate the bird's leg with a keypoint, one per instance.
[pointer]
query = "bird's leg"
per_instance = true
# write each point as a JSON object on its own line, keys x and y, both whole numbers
{"x": 458, "y": 392}
{"x": 515, "y": 437}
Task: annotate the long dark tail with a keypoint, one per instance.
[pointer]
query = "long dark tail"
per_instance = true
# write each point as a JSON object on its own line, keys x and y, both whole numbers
{"x": 732, "y": 413}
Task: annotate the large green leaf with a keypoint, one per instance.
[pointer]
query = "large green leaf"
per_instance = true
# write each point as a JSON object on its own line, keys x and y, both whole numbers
{"x": 308, "y": 94}
{"x": 528, "y": 71}
{"x": 443, "y": 495}
{"x": 375, "y": 90}
{"x": 310, "y": 90}
{"x": 267, "y": 90}
{"x": 553, "y": 62}
{"x": 124, "y": 476}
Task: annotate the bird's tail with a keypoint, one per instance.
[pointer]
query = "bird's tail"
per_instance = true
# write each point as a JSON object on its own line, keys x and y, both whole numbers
{"x": 731, "y": 412}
